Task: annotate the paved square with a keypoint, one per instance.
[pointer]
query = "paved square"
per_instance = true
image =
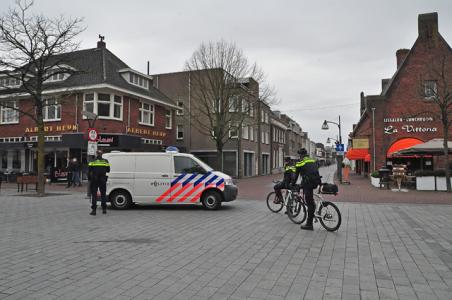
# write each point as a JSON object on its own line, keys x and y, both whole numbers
{"x": 51, "y": 248}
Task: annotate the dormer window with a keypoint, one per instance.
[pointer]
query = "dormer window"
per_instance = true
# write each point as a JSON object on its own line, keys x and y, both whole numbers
{"x": 58, "y": 73}
{"x": 8, "y": 82}
{"x": 136, "y": 78}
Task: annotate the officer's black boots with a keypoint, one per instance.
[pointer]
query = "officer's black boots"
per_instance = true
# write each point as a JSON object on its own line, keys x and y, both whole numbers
{"x": 104, "y": 211}
{"x": 307, "y": 227}
{"x": 93, "y": 212}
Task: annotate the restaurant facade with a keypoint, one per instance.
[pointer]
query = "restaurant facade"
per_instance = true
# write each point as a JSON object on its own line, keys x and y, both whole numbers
{"x": 404, "y": 113}
{"x": 132, "y": 115}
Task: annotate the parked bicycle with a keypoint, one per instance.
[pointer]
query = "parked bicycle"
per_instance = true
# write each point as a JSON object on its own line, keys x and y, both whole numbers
{"x": 295, "y": 209}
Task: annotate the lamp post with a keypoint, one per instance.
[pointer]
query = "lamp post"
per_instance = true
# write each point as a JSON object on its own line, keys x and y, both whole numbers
{"x": 339, "y": 157}
{"x": 91, "y": 117}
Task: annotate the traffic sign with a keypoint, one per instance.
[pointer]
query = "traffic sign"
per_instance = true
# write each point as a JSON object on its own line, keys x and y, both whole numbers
{"x": 92, "y": 148}
{"x": 92, "y": 134}
{"x": 340, "y": 147}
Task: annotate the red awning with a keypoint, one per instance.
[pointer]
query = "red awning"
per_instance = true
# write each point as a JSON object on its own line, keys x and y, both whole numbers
{"x": 356, "y": 154}
{"x": 367, "y": 158}
{"x": 402, "y": 144}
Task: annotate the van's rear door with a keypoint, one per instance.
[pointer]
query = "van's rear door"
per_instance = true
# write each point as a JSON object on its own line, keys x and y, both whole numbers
{"x": 152, "y": 177}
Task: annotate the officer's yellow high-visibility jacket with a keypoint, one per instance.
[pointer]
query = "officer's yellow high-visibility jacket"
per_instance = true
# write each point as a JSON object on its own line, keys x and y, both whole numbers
{"x": 98, "y": 169}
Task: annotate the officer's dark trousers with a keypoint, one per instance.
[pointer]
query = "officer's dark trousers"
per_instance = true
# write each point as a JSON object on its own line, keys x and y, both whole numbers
{"x": 309, "y": 197}
{"x": 102, "y": 186}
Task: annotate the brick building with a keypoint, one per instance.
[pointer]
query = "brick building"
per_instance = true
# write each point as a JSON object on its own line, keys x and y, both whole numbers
{"x": 401, "y": 115}
{"x": 132, "y": 114}
{"x": 247, "y": 152}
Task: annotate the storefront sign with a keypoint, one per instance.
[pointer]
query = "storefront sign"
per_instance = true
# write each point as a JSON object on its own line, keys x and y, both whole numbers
{"x": 408, "y": 129}
{"x": 408, "y": 119}
{"x": 106, "y": 140}
{"x": 149, "y": 132}
{"x": 53, "y": 128}
{"x": 360, "y": 143}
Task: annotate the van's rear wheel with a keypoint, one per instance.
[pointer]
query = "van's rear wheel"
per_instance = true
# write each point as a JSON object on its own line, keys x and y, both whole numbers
{"x": 211, "y": 200}
{"x": 120, "y": 200}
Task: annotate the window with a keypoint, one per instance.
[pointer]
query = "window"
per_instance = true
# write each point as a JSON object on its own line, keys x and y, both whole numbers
{"x": 8, "y": 115}
{"x": 245, "y": 132}
{"x": 106, "y": 106}
{"x": 51, "y": 110}
{"x": 138, "y": 80}
{"x": 234, "y": 104}
{"x": 262, "y": 137}
{"x": 251, "y": 134}
{"x": 57, "y": 77}
{"x": 4, "y": 159}
{"x": 183, "y": 164}
{"x": 180, "y": 132}
{"x": 430, "y": 89}
{"x": 168, "y": 119}
{"x": 16, "y": 160}
{"x": 233, "y": 133}
{"x": 251, "y": 110}
{"x": 245, "y": 106}
{"x": 7, "y": 82}
{"x": 267, "y": 137}
{"x": 147, "y": 114}
{"x": 180, "y": 111}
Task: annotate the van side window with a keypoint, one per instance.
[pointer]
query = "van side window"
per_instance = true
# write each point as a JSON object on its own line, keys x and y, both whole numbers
{"x": 183, "y": 164}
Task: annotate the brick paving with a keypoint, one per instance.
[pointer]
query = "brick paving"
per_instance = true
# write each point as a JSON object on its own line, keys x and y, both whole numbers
{"x": 52, "y": 249}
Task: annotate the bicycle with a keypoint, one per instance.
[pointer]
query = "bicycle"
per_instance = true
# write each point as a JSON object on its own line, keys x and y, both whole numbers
{"x": 295, "y": 210}
{"x": 326, "y": 212}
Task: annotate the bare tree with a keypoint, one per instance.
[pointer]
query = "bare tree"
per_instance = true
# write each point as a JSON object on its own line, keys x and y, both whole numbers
{"x": 30, "y": 55}
{"x": 227, "y": 88}
{"x": 437, "y": 89}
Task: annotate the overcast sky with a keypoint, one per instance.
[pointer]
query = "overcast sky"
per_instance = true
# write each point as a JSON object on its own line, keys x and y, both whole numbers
{"x": 319, "y": 55}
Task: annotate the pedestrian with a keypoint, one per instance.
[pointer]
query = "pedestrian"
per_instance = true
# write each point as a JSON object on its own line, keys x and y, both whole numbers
{"x": 69, "y": 169}
{"x": 346, "y": 166}
{"x": 310, "y": 176}
{"x": 97, "y": 175}
{"x": 76, "y": 172}
{"x": 289, "y": 173}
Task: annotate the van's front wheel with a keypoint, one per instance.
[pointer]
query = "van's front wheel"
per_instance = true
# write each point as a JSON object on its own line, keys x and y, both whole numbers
{"x": 120, "y": 200}
{"x": 211, "y": 200}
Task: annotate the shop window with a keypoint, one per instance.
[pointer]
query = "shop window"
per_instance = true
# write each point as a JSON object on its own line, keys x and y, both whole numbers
{"x": 168, "y": 119}
{"x": 106, "y": 106}
{"x": 180, "y": 111}
{"x": 9, "y": 113}
{"x": 146, "y": 114}
{"x": 180, "y": 132}
{"x": 16, "y": 160}
{"x": 51, "y": 110}
{"x": 4, "y": 159}
{"x": 430, "y": 89}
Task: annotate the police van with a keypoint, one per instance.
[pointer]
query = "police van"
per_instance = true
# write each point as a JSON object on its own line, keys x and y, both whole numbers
{"x": 165, "y": 178}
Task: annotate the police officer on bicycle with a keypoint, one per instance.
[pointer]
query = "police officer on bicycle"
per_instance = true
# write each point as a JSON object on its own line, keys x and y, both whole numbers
{"x": 289, "y": 174}
{"x": 309, "y": 172}
{"x": 97, "y": 175}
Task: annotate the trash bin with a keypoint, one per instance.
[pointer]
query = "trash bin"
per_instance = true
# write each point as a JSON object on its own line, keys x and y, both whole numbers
{"x": 384, "y": 177}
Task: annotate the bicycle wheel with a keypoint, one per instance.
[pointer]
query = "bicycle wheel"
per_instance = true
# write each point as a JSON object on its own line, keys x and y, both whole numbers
{"x": 272, "y": 206}
{"x": 330, "y": 216}
{"x": 296, "y": 210}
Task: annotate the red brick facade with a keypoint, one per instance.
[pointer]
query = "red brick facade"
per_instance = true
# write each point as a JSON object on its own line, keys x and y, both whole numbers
{"x": 402, "y": 110}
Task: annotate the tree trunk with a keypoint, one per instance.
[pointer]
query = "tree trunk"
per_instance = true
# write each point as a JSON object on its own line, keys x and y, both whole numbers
{"x": 41, "y": 153}
{"x": 220, "y": 157}
{"x": 446, "y": 155}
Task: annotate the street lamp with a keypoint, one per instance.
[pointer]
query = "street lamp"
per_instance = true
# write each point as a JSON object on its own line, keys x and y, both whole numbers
{"x": 339, "y": 157}
{"x": 328, "y": 140}
{"x": 91, "y": 117}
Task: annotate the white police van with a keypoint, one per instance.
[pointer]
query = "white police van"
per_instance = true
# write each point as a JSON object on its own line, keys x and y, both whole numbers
{"x": 165, "y": 178}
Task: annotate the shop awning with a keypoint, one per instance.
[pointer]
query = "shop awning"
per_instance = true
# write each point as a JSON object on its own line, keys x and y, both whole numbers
{"x": 367, "y": 158}
{"x": 402, "y": 144}
{"x": 356, "y": 154}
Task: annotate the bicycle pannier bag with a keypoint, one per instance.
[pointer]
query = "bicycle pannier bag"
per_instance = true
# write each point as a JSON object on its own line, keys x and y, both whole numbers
{"x": 329, "y": 188}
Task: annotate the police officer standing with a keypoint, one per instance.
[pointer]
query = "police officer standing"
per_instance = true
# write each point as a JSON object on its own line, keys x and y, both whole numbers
{"x": 97, "y": 175}
{"x": 309, "y": 172}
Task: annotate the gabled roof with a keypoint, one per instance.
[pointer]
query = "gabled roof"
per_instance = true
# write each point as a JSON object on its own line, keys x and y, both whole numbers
{"x": 390, "y": 84}
{"x": 99, "y": 66}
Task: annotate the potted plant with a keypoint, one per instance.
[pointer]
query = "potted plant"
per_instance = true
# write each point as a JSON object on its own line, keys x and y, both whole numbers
{"x": 375, "y": 179}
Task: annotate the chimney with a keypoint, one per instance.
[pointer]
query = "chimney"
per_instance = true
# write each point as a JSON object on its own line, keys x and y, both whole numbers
{"x": 101, "y": 43}
{"x": 428, "y": 26}
{"x": 384, "y": 83}
{"x": 401, "y": 55}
